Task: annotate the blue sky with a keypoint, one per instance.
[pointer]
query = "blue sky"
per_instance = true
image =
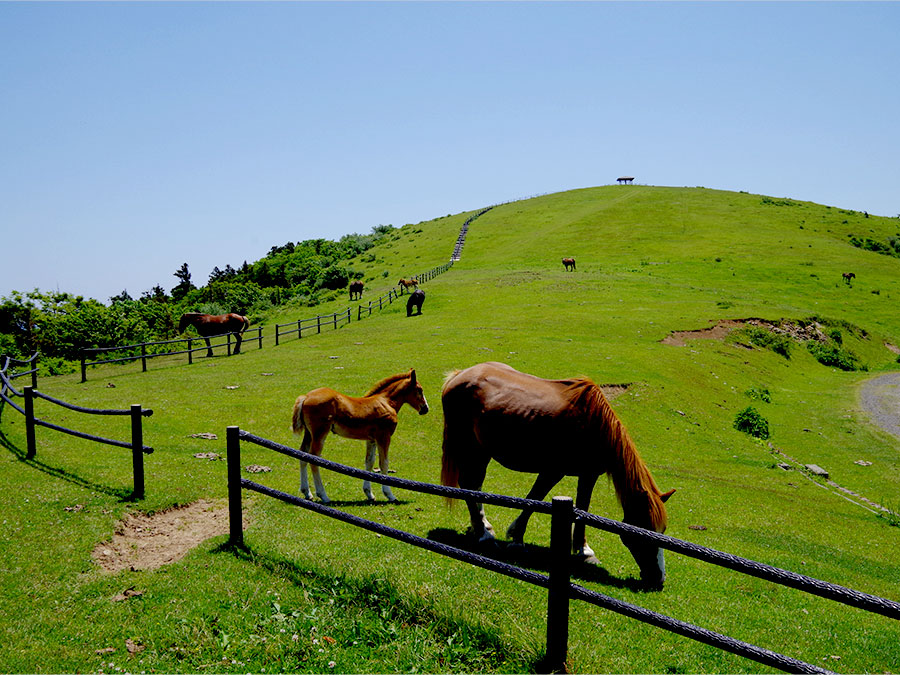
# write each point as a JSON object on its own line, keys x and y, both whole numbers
{"x": 135, "y": 137}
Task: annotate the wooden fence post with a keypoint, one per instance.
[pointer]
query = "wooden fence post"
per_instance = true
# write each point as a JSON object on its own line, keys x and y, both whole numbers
{"x": 318, "y": 323}
{"x": 558, "y": 589}
{"x": 83, "y": 367}
{"x": 190, "y": 351}
{"x": 260, "y": 337}
{"x": 228, "y": 342}
{"x": 137, "y": 450}
{"x": 34, "y": 367}
{"x": 276, "y": 334}
{"x": 143, "y": 357}
{"x": 30, "y": 442}
{"x": 235, "y": 521}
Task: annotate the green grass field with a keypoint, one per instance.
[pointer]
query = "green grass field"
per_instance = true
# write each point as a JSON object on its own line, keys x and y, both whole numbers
{"x": 651, "y": 260}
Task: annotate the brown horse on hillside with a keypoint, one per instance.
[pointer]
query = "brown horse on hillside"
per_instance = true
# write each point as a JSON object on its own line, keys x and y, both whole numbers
{"x": 569, "y": 262}
{"x": 356, "y": 288}
{"x": 553, "y": 428}
{"x": 211, "y": 325}
{"x": 371, "y": 418}
{"x": 407, "y": 284}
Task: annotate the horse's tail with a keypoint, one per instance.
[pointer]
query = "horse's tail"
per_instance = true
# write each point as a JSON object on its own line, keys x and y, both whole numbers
{"x": 246, "y": 323}
{"x": 297, "y": 425}
{"x": 449, "y": 463}
{"x": 449, "y": 467}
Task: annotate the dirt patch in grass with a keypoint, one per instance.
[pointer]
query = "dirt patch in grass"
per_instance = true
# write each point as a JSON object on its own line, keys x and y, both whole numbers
{"x": 717, "y": 332}
{"x": 145, "y": 542}
{"x": 797, "y": 331}
{"x": 611, "y": 391}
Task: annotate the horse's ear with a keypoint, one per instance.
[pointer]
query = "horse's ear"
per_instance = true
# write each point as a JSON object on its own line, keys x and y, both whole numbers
{"x": 665, "y": 495}
{"x": 412, "y": 376}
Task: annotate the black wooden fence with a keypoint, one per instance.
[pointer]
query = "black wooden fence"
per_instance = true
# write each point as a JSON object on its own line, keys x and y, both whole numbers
{"x": 30, "y": 393}
{"x": 558, "y": 581}
{"x": 333, "y": 321}
{"x": 88, "y": 353}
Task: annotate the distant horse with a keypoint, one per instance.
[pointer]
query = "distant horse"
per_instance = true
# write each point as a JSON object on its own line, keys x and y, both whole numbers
{"x": 553, "y": 428}
{"x": 569, "y": 262}
{"x": 209, "y": 325}
{"x": 371, "y": 418}
{"x": 416, "y": 298}
{"x": 407, "y": 284}
{"x": 356, "y": 288}
{"x": 848, "y": 277}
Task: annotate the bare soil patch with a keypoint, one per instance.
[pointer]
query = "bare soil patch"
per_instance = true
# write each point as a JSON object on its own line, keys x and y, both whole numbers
{"x": 801, "y": 333}
{"x": 145, "y": 542}
{"x": 611, "y": 391}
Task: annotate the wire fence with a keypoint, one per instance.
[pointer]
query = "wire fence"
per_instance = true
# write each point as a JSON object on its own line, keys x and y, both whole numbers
{"x": 30, "y": 392}
{"x": 141, "y": 351}
{"x": 558, "y": 582}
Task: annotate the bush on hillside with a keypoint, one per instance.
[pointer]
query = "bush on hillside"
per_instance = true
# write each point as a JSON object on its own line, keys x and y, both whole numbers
{"x": 751, "y": 422}
{"x": 766, "y": 339}
{"x": 833, "y": 355}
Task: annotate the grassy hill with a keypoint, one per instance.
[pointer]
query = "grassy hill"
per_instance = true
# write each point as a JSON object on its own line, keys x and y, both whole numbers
{"x": 650, "y": 261}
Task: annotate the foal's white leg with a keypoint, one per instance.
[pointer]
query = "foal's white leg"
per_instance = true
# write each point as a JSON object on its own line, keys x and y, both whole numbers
{"x": 304, "y": 480}
{"x": 320, "y": 486}
{"x": 370, "y": 462}
{"x": 304, "y": 477}
{"x": 383, "y": 464}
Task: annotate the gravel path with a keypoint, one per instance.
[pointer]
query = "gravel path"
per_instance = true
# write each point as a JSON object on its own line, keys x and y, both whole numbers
{"x": 880, "y": 398}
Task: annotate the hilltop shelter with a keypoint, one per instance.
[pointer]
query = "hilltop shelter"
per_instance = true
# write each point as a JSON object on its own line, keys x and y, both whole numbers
{"x": 625, "y": 179}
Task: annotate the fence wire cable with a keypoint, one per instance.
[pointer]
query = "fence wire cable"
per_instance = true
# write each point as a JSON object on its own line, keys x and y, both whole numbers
{"x": 146, "y": 412}
{"x": 577, "y": 592}
{"x": 818, "y": 587}
{"x": 428, "y": 488}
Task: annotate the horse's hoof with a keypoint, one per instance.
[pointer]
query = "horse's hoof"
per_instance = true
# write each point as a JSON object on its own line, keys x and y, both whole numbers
{"x": 516, "y": 548}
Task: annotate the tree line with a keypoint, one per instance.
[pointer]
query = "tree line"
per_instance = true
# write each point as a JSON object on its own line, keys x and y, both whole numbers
{"x": 60, "y": 325}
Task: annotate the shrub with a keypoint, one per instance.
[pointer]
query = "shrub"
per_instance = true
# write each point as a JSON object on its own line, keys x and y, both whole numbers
{"x": 761, "y": 394}
{"x": 834, "y": 355}
{"x": 751, "y": 422}
{"x": 760, "y": 337}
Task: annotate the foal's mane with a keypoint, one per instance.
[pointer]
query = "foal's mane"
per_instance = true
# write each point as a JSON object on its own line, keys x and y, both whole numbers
{"x": 629, "y": 474}
{"x": 386, "y": 382}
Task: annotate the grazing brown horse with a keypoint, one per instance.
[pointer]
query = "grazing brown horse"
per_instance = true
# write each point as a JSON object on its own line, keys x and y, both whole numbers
{"x": 356, "y": 288}
{"x": 553, "y": 428}
{"x": 211, "y": 325}
{"x": 848, "y": 277}
{"x": 407, "y": 284}
{"x": 371, "y": 418}
{"x": 569, "y": 262}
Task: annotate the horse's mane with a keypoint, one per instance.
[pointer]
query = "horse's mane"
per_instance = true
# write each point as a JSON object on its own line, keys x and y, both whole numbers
{"x": 386, "y": 382}
{"x": 629, "y": 474}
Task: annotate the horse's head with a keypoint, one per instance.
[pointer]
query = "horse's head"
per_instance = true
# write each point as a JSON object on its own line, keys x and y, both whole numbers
{"x": 185, "y": 321}
{"x": 415, "y": 395}
{"x": 647, "y": 555}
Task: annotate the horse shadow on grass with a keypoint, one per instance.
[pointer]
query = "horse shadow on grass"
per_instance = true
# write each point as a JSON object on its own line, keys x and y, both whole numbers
{"x": 533, "y": 557}
{"x": 123, "y": 494}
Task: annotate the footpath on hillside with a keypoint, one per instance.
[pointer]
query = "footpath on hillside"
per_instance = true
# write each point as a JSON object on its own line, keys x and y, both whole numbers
{"x": 880, "y": 398}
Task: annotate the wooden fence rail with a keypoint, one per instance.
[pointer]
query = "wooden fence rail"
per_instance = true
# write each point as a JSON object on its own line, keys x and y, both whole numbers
{"x": 144, "y": 355}
{"x": 29, "y": 393}
{"x": 558, "y": 582}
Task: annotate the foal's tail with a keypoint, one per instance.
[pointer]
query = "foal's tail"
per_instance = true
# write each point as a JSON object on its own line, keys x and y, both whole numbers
{"x": 297, "y": 425}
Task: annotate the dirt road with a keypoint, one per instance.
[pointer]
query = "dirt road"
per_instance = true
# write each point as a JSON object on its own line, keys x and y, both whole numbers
{"x": 880, "y": 398}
